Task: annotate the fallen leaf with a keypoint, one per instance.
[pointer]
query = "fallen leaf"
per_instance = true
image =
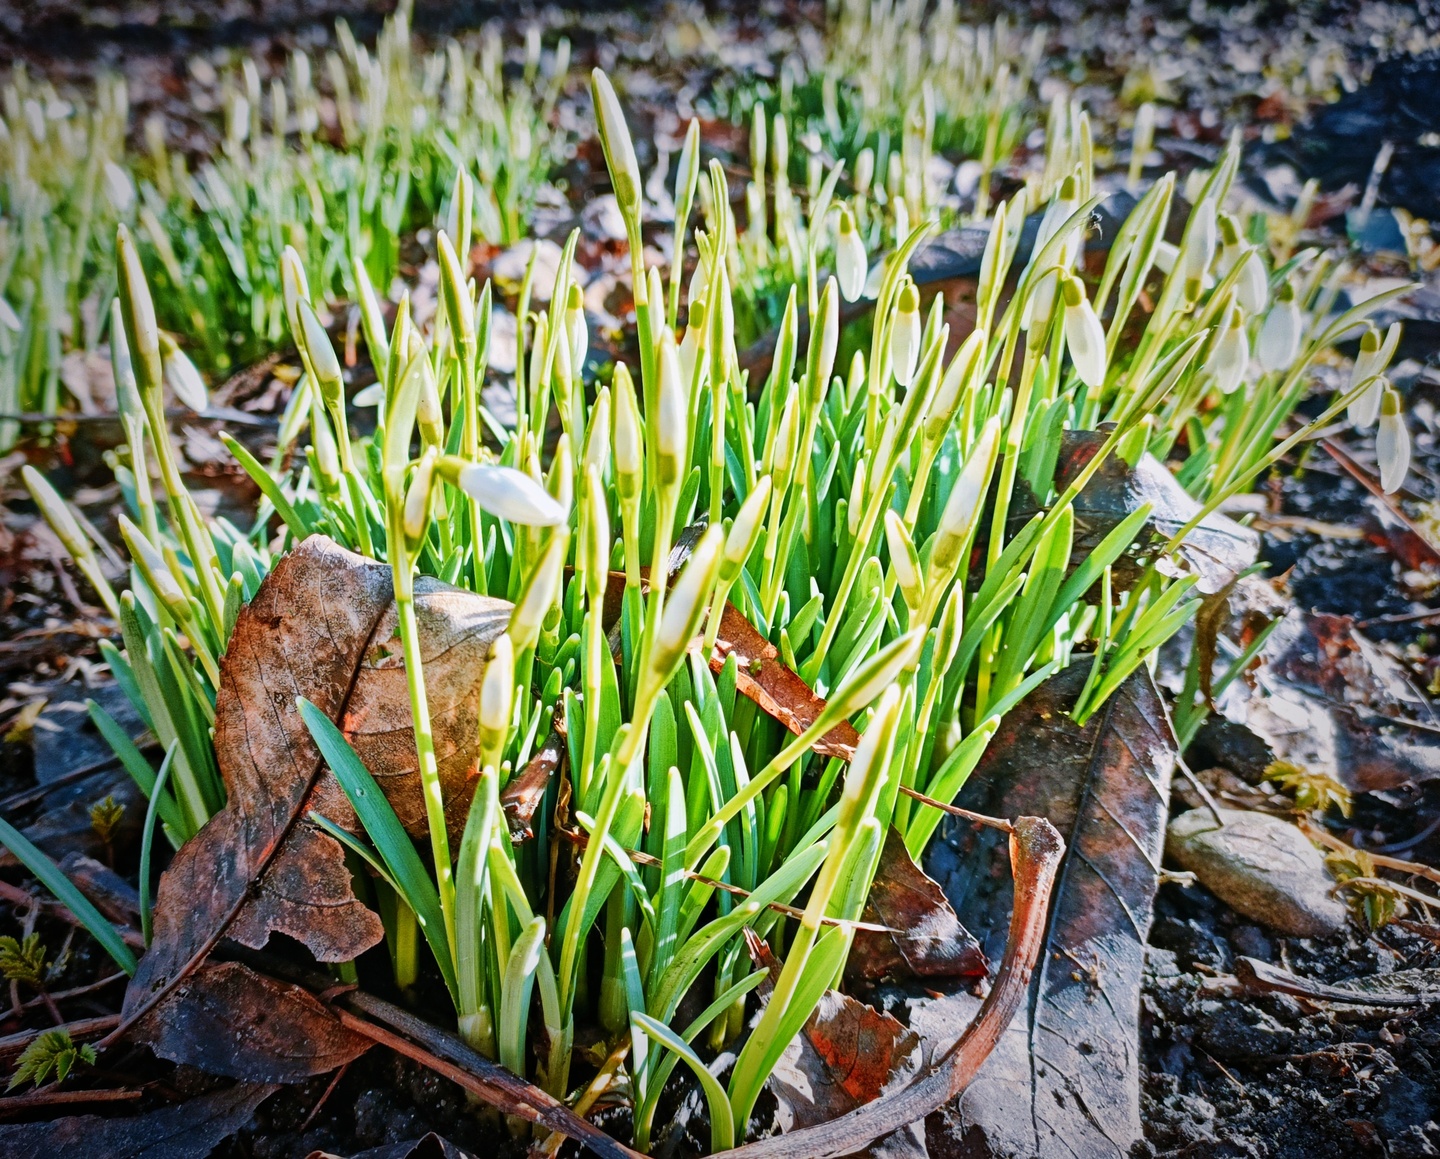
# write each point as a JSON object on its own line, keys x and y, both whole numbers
{"x": 1217, "y": 550}
{"x": 321, "y": 626}
{"x": 926, "y": 939}
{"x": 1064, "y": 1080}
{"x": 226, "y": 1018}
{"x": 777, "y": 689}
{"x": 523, "y": 795}
{"x": 1326, "y": 698}
{"x": 432, "y": 1146}
{"x": 179, "y": 1132}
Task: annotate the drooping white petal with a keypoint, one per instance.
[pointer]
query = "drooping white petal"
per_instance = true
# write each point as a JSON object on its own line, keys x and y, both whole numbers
{"x": 1231, "y": 355}
{"x": 1085, "y": 339}
{"x": 1392, "y": 444}
{"x": 511, "y": 494}
{"x": 905, "y": 336}
{"x": 184, "y": 379}
{"x": 1279, "y": 341}
{"x": 1252, "y": 286}
{"x": 851, "y": 263}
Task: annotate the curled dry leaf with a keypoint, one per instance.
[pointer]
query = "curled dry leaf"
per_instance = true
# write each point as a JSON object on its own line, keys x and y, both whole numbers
{"x": 1064, "y": 1081}
{"x": 926, "y": 939}
{"x": 522, "y": 797}
{"x": 322, "y": 626}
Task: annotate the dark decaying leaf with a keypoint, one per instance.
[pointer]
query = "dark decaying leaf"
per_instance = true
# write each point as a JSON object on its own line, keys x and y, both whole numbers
{"x": 179, "y": 1132}
{"x": 926, "y": 938}
{"x": 322, "y": 626}
{"x": 432, "y": 1146}
{"x": 1217, "y": 549}
{"x": 1326, "y": 698}
{"x": 1064, "y": 1079}
{"x": 228, "y": 1019}
{"x": 846, "y": 1055}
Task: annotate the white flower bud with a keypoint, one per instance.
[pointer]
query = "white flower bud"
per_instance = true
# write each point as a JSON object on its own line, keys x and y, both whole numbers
{"x": 1392, "y": 444}
{"x": 576, "y": 328}
{"x": 864, "y": 170}
{"x": 372, "y": 395}
{"x": 141, "y": 330}
{"x": 619, "y": 150}
{"x": 497, "y": 696}
{"x": 1230, "y": 355}
{"x": 957, "y": 376}
{"x": 295, "y": 287}
{"x": 872, "y": 677}
{"x": 1084, "y": 336}
{"x": 905, "y": 335}
{"x": 851, "y": 261}
{"x": 153, "y": 567}
{"x": 57, "y": 513}
{"x": 415, "y": 517}
{"x": 962, "y": 509}
{"x": 1166, "y": 255}
{"x": 1279, "y": 340}
{"x": 538, "y": 595}
{"x": 181, "y": 375}
{"x": 629, "y": 443}
{"x": 685, "y": 606}
{"x": 691, "y": 344}
{"x": 904, "y": 561}
{"x": 511, "y": 494}
{"x": 745, "y": 531}
{"x": 672, "y": 422}
{"x": 829, "y": 337}
{"x": 323, "y": 362}
{"x": 119, "y": 188}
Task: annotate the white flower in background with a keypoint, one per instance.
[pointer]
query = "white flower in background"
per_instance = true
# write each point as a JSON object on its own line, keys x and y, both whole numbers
{"x": 672, "y": 425}
{"x": 1084, "y": 336}
{"x": 905, "y": 335}
{"x": 576, "y": 328}
{"x": 511, "y": 495}
{"x": 1252, "y": 286}
{"x": 851, "y": 261}
{"x": 1279, "y": 341}
{"x": 1199, "y": 249}
{"x": 1392, "y": 443}
{"x": 1231, "y": 353}
{"x": 181, "y": 375}
{"x": 119, "y": 188}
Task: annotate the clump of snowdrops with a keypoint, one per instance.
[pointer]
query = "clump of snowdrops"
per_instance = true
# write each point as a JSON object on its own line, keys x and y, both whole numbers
{"x": 858, "y": 515}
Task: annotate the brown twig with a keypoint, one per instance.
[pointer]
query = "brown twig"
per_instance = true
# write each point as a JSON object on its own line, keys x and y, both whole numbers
{"x": 1356, "y": 472}
{"x": 448, "y": 1056}
{"x": 955, "y": 811}
{"x": 17, "y": 896}
{"x": 329, "y": 1090}
{"x": 1256, "y": 975}
{"x": 52, "y": 1097}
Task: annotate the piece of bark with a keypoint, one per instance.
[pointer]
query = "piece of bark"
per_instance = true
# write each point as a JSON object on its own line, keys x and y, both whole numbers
{"x": 1065, "y": 1079}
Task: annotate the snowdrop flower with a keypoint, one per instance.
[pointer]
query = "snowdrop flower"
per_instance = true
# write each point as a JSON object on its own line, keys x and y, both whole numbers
{"x": 372, "y": 395}
{"x": 181, "y": 375}
{"x": 905, "y": 335}
{"x": 851, "y": 261}
{"x": 510, "y": 494}
{"x": 294, "y": 285}
{"x": 1084, "y": 336}
{"x": 962, "y": 509}
{"x": 1373, "y": 358}
{"x": 57, "y": 513}
{"x": 142, "y": 332}
{"x": 1230, "y": 355}
{"x": 1280, "y": 335}
{"x": 902, "y": 220}
{"x": 153, "y": 567}
{"x": 323, "y": 362}
{"x": 864, "y": 170}
{"x": 629, "y": 454}
{"x": 1166, "y": 255}
{"x": 1199, "y": 250}
{"x": 1392, "y": 443}
{"x": 1252, "y": 287}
